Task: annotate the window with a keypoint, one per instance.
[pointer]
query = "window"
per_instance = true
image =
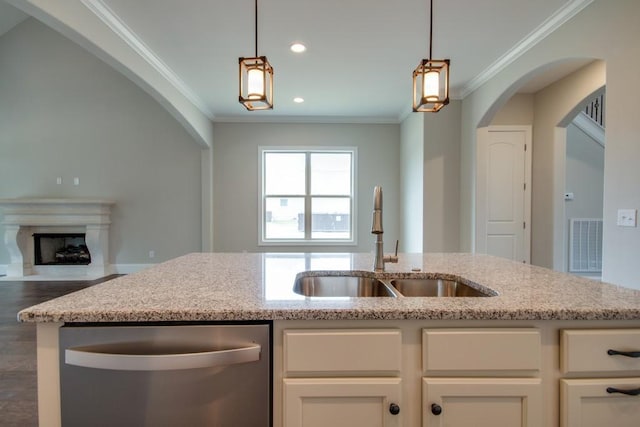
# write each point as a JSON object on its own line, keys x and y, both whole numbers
{"x": 307, "y": 196}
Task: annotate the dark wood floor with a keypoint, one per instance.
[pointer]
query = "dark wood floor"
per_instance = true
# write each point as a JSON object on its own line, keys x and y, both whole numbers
{"x": 18, "y": 391}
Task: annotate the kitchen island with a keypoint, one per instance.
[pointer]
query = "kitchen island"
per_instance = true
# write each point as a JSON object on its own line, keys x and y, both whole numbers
{"x": 518, "y": 345}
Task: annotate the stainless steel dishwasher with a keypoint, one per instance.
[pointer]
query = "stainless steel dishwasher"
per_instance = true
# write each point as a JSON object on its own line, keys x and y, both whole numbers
{"x": 166, "y": 375}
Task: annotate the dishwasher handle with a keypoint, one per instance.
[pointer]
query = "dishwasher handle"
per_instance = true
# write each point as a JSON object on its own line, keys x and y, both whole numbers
{"x": 91, "y": 357}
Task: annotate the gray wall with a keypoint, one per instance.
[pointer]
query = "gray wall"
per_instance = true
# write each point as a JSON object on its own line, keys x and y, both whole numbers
{"x": 585, "y": 175}
{"x": 517, "y": 111}
{"x": 584, "y": 178}
{"x": 64, "y": 113}
{"x": 442, "y": 179}
{"x": 236, "y": 168}
{"x": 411, "y": 183}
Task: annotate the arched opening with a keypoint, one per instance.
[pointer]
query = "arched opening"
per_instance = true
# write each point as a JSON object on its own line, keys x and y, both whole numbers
{"x": 546, "y": 99}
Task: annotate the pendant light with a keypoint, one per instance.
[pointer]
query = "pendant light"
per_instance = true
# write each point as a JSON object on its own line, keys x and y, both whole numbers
{"x": 431, "y": 79}
{"x": 256, "y": 78}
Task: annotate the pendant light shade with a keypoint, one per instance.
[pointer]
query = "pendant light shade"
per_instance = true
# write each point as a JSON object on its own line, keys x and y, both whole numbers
{"x": 255, "y": 78}
{"x": 256, "y": 83}
{"x": 431, "y": 79}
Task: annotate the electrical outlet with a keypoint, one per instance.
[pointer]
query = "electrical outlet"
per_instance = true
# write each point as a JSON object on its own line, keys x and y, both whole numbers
{"x": 152, "y": 254}
{"x": 568, "y": 196}
{"x": 76, "y": 181}
{"x": 627, "y": 217}
{"x": 59, "y": 180}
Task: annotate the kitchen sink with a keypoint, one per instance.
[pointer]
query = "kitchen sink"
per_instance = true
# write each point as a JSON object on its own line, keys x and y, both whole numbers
{"x": 436, "y": 287}
{"x": 341, "y": 286}
{"x": 366, "y": 284}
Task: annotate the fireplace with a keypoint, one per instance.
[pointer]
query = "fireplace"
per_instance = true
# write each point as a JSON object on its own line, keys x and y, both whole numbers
{"x": 60, "y": 249}
{"x": 57, "y": 238}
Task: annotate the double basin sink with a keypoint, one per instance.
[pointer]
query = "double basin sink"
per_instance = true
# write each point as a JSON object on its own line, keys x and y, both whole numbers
{"x": 367, "y": 284}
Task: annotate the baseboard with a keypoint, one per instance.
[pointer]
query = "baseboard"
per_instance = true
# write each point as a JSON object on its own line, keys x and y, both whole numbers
{"x": 129, "y": 268}
{"x": 115, "y": 269}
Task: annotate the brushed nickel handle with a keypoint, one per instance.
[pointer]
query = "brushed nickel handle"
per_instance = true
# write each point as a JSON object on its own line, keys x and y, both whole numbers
{"x": 99, "y": 357}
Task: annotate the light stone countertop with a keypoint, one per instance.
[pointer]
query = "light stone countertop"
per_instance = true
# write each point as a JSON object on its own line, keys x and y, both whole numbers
{"x": 258, "y": 286}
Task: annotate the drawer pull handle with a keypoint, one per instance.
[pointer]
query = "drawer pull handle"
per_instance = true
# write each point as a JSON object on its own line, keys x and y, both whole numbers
{"x": 436, "y": 409}
{"x": 635, "y": 392}
{"x": 635, "y": 354}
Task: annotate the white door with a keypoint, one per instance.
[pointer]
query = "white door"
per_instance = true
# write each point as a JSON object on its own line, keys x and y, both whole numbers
{"x": 503, "y": 197}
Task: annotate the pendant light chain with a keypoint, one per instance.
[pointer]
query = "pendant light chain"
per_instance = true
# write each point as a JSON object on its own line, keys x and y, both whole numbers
{"x": 256, "y": 26}
{"x": 430, "y": 29}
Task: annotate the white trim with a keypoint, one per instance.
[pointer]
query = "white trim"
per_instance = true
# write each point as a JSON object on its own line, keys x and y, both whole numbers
{"x": 270, "y": 118}
{"x": 115, "y": 269}
{"x": 562, "y": 15}
{"x": 117, "y": 25}
{"x": 590, "y": 127}
{"x": 130, "y": 268}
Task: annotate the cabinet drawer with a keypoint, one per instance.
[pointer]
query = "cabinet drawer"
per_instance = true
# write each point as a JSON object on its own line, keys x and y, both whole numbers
{"x": 503, "y": 351}
{"x": 342, "y": 351}
{"x": 588, "y": 351}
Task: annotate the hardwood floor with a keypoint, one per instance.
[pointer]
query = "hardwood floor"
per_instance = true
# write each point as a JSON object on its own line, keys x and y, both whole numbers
{"x": 18, "y": 390}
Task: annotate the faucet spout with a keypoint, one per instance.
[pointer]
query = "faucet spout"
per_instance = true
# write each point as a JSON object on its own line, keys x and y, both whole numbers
{"x": 376, "y": 228}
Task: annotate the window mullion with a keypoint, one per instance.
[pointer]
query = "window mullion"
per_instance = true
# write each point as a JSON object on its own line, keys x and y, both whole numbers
{"x": 307, "y": 197}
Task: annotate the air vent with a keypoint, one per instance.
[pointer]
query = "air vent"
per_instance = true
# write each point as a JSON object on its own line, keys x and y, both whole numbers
{"x": 585, "y": 245}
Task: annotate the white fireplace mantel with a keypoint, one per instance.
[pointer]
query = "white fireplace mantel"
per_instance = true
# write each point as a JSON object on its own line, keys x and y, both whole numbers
{"x": 24, "y": 217}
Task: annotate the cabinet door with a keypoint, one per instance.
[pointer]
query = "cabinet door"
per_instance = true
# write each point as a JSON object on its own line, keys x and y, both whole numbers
{"x": 587, "y": 403}
{"x": 482, "y": 402}
{"x": 342, "y": 402}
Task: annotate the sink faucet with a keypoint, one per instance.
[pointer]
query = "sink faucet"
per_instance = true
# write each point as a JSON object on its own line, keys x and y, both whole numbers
{"x": 376, "y": 228}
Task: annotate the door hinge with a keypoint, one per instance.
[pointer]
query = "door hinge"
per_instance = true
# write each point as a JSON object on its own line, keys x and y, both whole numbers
{"x": 525, "y": 147}
{"x": 524, "y": 225}
{"x": 524, "y": 186}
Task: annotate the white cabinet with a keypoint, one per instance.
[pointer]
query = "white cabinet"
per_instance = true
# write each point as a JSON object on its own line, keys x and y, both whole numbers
{"x": 477, "y": 388}
{"x": 456, "y": 373}
{"x": 589, "y": 401}
{"x": 342, "y": 402}
{"x": 342, "y": 377}
{"x": 482, "y": 402}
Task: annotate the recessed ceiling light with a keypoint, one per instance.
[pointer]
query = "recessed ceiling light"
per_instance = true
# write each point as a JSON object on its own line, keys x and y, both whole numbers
{"x": 298, "y": 48}
{"x": 298, "y": 100}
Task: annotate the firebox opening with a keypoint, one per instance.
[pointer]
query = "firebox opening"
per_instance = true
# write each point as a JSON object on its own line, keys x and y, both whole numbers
{"x": 60, "y": 249}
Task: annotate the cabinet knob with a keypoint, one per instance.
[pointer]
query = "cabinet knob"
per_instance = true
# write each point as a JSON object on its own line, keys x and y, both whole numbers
{"x": 394, "y": 409}
{"x": 436, "y": 409}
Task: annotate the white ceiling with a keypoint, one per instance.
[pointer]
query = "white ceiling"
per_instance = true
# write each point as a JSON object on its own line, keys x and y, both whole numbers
{"x": 360, "y": 56}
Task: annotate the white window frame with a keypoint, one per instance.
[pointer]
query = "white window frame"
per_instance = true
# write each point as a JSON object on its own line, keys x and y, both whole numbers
{"x": 307, "y": 241}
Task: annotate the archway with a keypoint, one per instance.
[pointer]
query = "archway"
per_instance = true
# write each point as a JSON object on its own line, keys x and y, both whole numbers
{"x": 562, "y": 88}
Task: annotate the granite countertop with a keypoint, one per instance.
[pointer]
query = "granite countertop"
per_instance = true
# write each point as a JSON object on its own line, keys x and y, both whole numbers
{"x": 256, "y": 286}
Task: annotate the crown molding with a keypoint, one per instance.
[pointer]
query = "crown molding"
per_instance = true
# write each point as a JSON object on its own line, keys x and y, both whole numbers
{"x": 106, "y": 15}
{"x": 306, "y": 119}
{"x": 562, "y": 15}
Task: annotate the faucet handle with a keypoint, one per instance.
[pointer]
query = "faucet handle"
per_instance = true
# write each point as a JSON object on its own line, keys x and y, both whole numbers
{"x": 392, "y": 258}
